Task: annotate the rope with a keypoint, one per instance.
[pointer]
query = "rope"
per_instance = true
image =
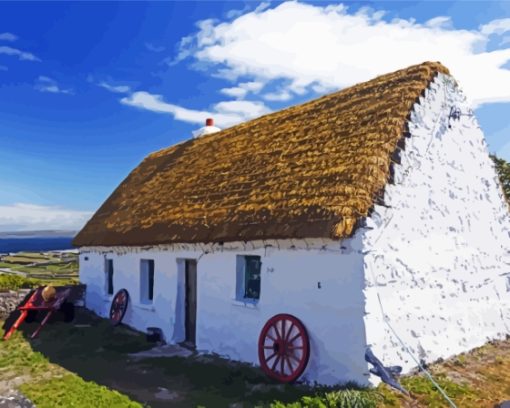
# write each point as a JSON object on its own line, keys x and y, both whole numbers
{"x": 423, "y": 369}
{"x": 385, "y": 316}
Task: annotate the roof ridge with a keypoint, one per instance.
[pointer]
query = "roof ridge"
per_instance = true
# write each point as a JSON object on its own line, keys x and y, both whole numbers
{"x": 434, "y": 66}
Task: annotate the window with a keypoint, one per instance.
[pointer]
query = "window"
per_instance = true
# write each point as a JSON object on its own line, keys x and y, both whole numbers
{"x": 109, "y": 276}
{"x": 248, "y": 277}
{"x": 146, "y": 280}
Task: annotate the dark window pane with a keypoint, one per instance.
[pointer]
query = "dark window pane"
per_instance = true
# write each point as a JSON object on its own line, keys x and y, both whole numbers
{"x": 109, "y": 274}
{"x": 151, "y": 279}
{"x": 252, "y": 277}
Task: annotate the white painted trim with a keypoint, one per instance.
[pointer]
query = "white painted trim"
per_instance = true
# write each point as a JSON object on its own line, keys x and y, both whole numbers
{"x": 246, "y": 304}
{"x": 318, "y": 244}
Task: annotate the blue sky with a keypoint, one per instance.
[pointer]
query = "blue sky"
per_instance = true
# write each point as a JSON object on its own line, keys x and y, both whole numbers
{"x": 88, "y": 89}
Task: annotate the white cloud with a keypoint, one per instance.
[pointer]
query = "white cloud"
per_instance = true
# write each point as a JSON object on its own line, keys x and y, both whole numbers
{"x": 3, "y": 68}
{"x": 311, "y": 46}
{"x": 498, "y": 27}
{"x": 281, "y": 95}
{"x": 241, "y": 90}
{"x": 235, "y": 92}
{"x": 225, "y": 114}
{"x": 46, "y": 84}
{"x": 439, "y": 22}
{"x": 22, "y": 55}
{"x": 8, "y": 37}
{"x": 236, "y": 12}
{"x": 26, "y": 217}
{"x": 115, "y": 88}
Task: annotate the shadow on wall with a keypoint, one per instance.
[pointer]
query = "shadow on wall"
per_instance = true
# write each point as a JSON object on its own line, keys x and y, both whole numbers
{"x": 94, "y": 300}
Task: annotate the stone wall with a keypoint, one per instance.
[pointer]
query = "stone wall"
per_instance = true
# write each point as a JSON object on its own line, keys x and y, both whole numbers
{"x": 9, "y": 300}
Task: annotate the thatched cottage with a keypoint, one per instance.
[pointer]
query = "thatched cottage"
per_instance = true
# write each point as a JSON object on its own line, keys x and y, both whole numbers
{"x": 285, "y": 241}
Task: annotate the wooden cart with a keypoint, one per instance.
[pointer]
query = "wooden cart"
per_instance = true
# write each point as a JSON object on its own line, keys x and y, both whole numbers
{"x": 36, "y": 303}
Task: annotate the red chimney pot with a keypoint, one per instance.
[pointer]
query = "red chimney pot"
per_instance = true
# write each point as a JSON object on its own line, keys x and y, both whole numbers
{"x": 209, "y": 122}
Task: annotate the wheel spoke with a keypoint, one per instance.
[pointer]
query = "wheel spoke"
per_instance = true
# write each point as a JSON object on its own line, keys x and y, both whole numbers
{"x": 295, "y": 337}
{"x": 270, "y": 357}
{"x": 271, "y": 337}
{"x": 294, "y": 357}
{"x": 275, "y": 363}
{"x": 287, "y": 360}
{"x": 283, "y": 330}
{"x": 277, "y": 332}
{"x": 288, "y": 333}
{"x": 295, "y": 347}
{"x": 282, "y": 361}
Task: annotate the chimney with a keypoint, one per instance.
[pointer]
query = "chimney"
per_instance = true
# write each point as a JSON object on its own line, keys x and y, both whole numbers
{"x": 207, "y": 129}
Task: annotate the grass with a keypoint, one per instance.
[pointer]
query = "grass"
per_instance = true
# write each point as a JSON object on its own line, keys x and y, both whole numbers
{"x": 80, "y": 364}
{"x": 40, "y": 268}
{"x": 478, "y": 379}
{"x": 15, "y": 282}
{"x": 71, "y": 391}
{"x": 49, "y": 385}
{"x": 348, "y": 398}
{"x": 97, "y": 356}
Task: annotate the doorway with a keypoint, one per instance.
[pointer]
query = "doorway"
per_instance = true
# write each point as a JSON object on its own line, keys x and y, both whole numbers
{"x": 190, "y": 272}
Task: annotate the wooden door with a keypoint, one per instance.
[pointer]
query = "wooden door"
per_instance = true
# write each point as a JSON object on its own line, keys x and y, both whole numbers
{"x": 191, "y": 301}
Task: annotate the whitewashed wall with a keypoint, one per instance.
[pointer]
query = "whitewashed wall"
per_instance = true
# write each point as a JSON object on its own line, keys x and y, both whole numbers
{"x": 439, "y": 252}
{"x": 332, "y": 314}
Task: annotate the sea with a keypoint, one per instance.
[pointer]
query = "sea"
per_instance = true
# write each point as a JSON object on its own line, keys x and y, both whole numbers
{"x": 8, "y": 245}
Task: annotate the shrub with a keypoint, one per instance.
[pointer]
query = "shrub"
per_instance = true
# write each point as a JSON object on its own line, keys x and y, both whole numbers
{"x": 336, "y": 399}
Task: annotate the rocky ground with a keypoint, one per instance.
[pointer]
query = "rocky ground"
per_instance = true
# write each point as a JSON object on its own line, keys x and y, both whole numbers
{"x": 14, "y": 399}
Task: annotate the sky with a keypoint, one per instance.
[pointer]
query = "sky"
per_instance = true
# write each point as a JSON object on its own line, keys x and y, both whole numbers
{"x": 88, "y": 89}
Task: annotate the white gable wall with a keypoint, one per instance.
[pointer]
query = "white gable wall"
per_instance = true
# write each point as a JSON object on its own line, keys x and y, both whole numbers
{"x": 438, "y": 252}
{"x": 290, "y": 280}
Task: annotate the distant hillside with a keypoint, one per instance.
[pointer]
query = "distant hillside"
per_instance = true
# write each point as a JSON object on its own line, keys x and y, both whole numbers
{"x": 503, "y": 169}
{"x": 38, "y": 234}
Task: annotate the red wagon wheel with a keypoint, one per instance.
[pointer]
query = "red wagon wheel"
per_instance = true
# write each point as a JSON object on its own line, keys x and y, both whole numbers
{"x": 119, "y": 306}
{"x": 284, "y": 348}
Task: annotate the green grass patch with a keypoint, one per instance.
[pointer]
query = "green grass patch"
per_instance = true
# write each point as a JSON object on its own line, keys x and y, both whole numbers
{"x": 15, "y": 282}
{"x": 348, "y": 398}
{"x": 72, "y": 391}
{"x": 35, "y": 263}
{"x": 5, "y": 265}
{"x": 428, "y": 394}
{"x": 49, "y": 385}
{"x": 16, "y": 259}
{"x": 425, "y": 394}
{"x": 17, "y": 356}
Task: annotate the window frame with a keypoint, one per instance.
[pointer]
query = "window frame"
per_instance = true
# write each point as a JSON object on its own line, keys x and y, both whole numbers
{"x": 242, "y": 278}
{"x": 147, "y": 275}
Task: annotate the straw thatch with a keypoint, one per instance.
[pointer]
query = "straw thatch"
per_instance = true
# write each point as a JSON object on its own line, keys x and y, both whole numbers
{"x": 312, "y": 170}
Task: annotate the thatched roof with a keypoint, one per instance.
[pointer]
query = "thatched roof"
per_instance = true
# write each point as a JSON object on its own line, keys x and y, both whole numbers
{"x": 312, "y": 170}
